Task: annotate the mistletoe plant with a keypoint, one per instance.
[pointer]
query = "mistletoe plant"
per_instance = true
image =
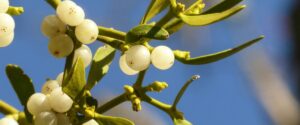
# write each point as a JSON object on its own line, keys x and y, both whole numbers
{"x": 67, "y": 100}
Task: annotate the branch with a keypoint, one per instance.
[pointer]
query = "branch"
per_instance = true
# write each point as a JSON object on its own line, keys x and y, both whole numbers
{"x": 112, "y": 103}
{"x": 7, "y": 109}
{"x": 110, "y": 32}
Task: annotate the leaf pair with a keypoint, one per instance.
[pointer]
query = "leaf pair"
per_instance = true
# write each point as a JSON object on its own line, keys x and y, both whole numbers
{"x": 217, "y": 13}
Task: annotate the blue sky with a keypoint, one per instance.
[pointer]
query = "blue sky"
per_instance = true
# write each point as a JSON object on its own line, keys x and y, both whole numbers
{"x": 224, "y": 94}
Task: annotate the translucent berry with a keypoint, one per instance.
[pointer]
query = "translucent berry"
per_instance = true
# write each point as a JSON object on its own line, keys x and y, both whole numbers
{"x": 4, "y": 5}
{"x": 124, "y": 67}
{"x": 63, "y": 119}
{"x": 7, "y": 24}
{"x": 49, "y": 86}
{"x": 61, "y": 46}
{"x": 8, "y": 121}
{"x": 87, "y": 31}
{"x": 59, "y": 78}
{"x": 162, "y": 57}
{"x": 70, "y": 13}
{"x": 7, "y": 40}
{"x": 91, "y": 122}
{"x": 38, "y": 103}
{"x": 138, "y": 57}
{"x": 46, "y": 118}
{"x": 85, "y": 53}
{"x": 59, "y": 101}
{"x": 52, "y": 26}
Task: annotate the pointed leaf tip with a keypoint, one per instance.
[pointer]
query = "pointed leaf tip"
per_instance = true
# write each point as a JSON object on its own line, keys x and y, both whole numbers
{"x": 206, "y": 19}
{"x": 184, "y": 56}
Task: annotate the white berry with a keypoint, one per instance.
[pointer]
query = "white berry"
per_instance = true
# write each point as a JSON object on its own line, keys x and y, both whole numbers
{"x": 7, "y": 40}
{"x": 63, "y": 119}
{"x": 124, "y": 67}
{"x": 4, "y": 5}
{"x": 162, "y": 57}
{"x": 7, "y": 24}
{"x": 87, "y": 31}
{"x": 8, "y": 121}
{"x": 38, "y": 103}
{"x": 59, "y": 78}
{"x": 49, "y": 86}
{"x": 59, "y": 101}
{"x": 91, "y": 122}
{"x": 85, "y": 54}
{"x": 46, "y": 118}
{"x": 70, "y": 13}
{"x": 61, "y": 46}
{"x": 52, "y": 26}
{"x": 138, "y": 57}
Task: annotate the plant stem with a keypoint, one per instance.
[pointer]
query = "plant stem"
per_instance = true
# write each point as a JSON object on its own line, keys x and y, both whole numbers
{"x": 12, "y": 10}
{"x": 7, "y": 109}
{"x": 139, "y": 80}
{"x": 110, "y": 32}
{"x": 53, "y": 3}
{"x": 182, "y": 90}
{"x": 158, "y": 104}
{"x": 111, "y": 41}
{"x": 165, "y": 19}
{"x": 112, "y": 103}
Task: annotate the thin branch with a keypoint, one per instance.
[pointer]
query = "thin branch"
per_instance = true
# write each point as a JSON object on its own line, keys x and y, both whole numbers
{"x": 7, "y": 109}
{"x": 112, "y": 103}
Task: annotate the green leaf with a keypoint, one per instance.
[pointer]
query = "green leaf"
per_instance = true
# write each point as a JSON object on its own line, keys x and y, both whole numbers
{"x": 181, "y": 122}
{"x": 75, "y": 80}
{"x": 155, "y": 7}
{"x": 109, "y": 120}
{"x": 223, "y": 6}
{"x": 146, "y": 31}
{"x": 175, "y": 24}
{"x": 184, "y": 56}
{"x": 21, "y": 83}
{"x": 206, "y": 19}
{"x": 100, "y": 65}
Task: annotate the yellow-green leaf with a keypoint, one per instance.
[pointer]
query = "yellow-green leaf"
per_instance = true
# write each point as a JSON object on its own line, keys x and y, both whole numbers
{"x": 146, "y": 31}
{"x": 155, "y": 7}
{"x": 75, "y": 81}
{"x": 206, "y": 19}
{"x": 21, "y": 83}
{"x": 181, "y": 122}
{"x": 100, "y": 65}
{"x": 175, "y": 24}
{"x": 224, "y": 5}
{"x": 184, "y": 56}
{"x": 109, "y": 120}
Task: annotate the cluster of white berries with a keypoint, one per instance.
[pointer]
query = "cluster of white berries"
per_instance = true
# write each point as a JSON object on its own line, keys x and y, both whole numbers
{"x": 7, "y": 25}
{"x": 50, "y": 106}
{"x": 61, "y": 45}
{"x": 138, "y": 58}
{"x": 8, "y": 121}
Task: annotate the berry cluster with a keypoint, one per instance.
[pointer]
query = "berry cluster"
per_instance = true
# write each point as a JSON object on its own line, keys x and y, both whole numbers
{"x": 69, "y": 15}
{"x": 50, "y": 106}
{"x": 7, "y": 25}
{"x": 138, "y": 58}
{"x": 8, "y": 121}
